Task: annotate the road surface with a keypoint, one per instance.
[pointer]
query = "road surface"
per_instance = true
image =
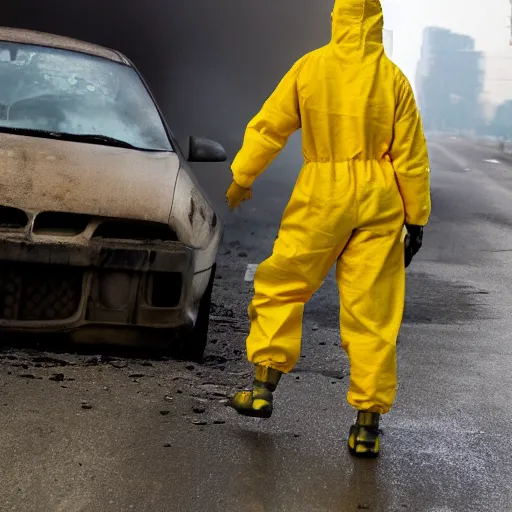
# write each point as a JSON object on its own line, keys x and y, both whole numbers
{"x": 89, "y": 433}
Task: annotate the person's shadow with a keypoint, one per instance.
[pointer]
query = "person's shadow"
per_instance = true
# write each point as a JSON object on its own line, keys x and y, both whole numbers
{"x": 357, "y": 488}
{"x": 363, "y": 489}
{"x": 258, "y": 486}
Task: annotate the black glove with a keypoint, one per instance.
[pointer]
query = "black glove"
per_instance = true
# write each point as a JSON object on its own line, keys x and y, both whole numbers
{"x": 413, "y": 242}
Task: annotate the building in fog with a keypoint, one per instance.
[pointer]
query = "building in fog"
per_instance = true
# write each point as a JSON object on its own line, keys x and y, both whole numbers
{"x": 449, "y": 81}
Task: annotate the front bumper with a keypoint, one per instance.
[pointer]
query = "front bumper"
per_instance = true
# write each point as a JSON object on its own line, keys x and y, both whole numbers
{"x": 54, "y": 286}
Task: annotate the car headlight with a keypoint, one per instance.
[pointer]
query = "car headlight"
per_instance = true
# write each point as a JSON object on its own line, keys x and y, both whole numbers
{"x": 192, "y": 217}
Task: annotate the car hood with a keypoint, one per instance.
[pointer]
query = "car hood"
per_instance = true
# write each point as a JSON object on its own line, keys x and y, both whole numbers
{"x": 38, "y": 174}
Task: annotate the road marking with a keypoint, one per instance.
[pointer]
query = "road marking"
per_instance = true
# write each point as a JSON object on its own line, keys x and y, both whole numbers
{"x": 250, "y": 271}
{"x": 492, "y": 161}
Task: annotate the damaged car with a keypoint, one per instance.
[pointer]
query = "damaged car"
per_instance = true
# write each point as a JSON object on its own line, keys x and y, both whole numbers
{"x": 102, "y": 222}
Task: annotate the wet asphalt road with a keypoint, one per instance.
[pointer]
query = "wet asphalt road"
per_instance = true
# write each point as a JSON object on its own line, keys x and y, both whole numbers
{"x": 80, "y": 432}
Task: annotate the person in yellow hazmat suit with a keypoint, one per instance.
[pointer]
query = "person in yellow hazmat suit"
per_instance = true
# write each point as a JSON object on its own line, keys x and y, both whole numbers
{"x": 366, "y": 175}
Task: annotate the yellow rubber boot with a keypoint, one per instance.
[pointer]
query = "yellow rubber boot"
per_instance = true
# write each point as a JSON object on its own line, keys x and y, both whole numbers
{"x": 364, "y": 436}
{"x": 258, "y": 402}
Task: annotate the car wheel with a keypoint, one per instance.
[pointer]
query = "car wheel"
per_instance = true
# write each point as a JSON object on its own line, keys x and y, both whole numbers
{"x": 193, "y": 345}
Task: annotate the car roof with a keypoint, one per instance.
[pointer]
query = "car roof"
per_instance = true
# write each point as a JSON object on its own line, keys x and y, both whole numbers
{"x": 22, "y": 36}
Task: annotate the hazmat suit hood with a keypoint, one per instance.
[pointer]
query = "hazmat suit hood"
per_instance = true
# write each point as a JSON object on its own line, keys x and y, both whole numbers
{"x": 357, "y": 28}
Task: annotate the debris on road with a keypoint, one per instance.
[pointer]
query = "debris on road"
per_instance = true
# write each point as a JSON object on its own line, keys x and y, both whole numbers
{"x": 57, "y": 377}
{"x": 9, "y": 357}
{"x": 54, "y": 361}
{"x": 213, "y": 390}
{"x": 119, "y": 364}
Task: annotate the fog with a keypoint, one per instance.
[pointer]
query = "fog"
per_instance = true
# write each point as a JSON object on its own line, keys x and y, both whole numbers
{"x": 488, "y": 22}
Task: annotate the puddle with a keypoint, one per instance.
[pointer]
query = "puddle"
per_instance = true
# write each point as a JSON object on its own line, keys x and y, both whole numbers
{"x": 429, "y": 300}
{"x": 494, "y": 218}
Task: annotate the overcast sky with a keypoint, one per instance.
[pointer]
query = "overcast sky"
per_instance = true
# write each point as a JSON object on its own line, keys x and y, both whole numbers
{"x": 486, "y": 20}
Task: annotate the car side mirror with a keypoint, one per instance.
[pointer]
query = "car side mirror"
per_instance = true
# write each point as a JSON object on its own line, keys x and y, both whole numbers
{"x": 206, "y": 150}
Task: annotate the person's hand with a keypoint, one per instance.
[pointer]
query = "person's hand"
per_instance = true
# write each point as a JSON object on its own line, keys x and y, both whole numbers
{"x": 236, "y": 195}
{"x": 413, "y": 242}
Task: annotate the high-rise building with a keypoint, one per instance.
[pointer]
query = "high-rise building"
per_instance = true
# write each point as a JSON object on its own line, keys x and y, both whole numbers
{"x": 449, "y": 81}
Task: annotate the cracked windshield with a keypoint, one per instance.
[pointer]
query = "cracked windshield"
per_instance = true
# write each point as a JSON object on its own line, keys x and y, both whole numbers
{"x": 66, "y": 92}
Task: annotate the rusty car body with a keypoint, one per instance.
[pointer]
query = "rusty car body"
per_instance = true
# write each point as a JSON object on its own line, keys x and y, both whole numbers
{"x": 101, "y": 219}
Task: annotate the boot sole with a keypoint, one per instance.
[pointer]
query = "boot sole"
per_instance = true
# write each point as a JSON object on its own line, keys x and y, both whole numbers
{"x": 363, "y": 455}
{"x": 263, "y": 413}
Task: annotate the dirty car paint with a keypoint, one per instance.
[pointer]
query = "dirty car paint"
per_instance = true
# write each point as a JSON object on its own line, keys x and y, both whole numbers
{"x": 39, "y": 174}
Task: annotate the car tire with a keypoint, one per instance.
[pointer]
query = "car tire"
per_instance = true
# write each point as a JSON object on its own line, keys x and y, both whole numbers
{"x": 193, "y": 344}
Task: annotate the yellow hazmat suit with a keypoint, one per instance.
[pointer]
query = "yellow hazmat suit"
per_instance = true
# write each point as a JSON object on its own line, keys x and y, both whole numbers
{"x": 366, "y": 172}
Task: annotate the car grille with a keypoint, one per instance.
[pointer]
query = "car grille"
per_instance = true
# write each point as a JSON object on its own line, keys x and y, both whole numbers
{"x": 31, "y": 292}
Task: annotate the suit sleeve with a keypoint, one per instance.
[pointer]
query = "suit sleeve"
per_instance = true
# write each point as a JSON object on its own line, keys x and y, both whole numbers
{"x": 409, "y": 155}
{"x": 268, "y": 132}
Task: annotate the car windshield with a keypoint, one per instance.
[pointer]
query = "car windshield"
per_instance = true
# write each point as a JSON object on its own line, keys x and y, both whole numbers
{"x": 79, "y": 95}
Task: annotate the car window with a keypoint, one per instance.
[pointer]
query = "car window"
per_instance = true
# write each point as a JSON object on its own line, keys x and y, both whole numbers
{"x": 72, "y": 93}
